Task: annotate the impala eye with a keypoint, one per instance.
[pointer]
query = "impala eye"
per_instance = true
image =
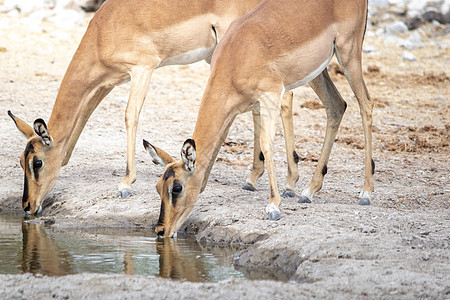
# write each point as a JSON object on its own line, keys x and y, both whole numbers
{"x": 37, "y": 164}
{"x": 177, "y": 189}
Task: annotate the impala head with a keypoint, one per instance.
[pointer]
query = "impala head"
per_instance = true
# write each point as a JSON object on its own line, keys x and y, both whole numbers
{"x": 41, "y": 171}
{"x": 173, "y": 187}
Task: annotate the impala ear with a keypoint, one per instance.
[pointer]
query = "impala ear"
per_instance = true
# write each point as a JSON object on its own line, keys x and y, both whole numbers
{"x": 40, "y": 128}
{"x": 159, "y": 156}
{"x": 22, "y": 126}
{"x": 188, "y": 155}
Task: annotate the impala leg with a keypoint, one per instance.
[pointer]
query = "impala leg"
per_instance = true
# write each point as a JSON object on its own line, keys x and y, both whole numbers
{"x": 270, "y": 110}
{"x": 98, "y": 97}
{"x": 258, "y": 157}
{"x": 335, "y": 107}
{"x": 140, "y": 82}
{"x": 350, "y": 58}
{"x": 289, "y": 139}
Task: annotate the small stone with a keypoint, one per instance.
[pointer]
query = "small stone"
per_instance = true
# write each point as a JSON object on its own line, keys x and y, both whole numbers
{"x": 408, "y": 56}
{"x": 367, "y": 229}
{"x": 397, "y": 27}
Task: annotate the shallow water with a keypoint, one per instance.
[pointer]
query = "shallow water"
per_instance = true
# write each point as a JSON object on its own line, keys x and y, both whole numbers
{"x": 37, "y": 248}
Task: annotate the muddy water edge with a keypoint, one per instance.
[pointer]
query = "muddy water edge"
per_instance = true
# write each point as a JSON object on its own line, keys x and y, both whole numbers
{"x": 30, "y": 246}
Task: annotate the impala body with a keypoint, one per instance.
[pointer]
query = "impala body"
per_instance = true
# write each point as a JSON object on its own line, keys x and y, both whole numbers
{"x": 279, "y": 45}
{"x": 125, "y": 40}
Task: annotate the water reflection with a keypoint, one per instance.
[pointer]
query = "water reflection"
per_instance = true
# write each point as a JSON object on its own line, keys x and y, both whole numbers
{"x": 36, "y": 248}
{"x": 40, "y": 254}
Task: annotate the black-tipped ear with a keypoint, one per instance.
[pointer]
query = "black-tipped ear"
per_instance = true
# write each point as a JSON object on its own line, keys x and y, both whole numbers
{"x": 188, "y": 155}
{"x": 22, "y": 126}
{"x": 40, "y": 128}
{"x": 159, "y": 157}
{"x": 192, "y": 142}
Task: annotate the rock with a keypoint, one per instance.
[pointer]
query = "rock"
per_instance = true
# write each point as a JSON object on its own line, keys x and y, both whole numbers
{"x": 26, "y": 7}
{"x": 379, "y": 3}
{"x": 398, "y": 6}
{"x": 67, "y": 18}
{"x": 414, "y": 22}
{"x": 408, "y": 56}
{"x": 445, "y": 7}
{"x": 416, "y": 7}
{"x": 432, "y": 15}
{"x": 414, "y": 41}
{"x": 397, "y": 27}
{"x": 367, "y": 228}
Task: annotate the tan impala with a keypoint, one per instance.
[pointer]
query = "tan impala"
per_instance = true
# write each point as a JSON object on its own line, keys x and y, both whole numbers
{"x": 279, "y": 45}
{"x": 125, "y": 40}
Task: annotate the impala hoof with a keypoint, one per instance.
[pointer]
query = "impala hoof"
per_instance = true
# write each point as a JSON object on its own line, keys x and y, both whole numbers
{"x": 288, "y": 193}
{"x": 248, "y": 187}
{"x": 274, "y": 216}
{"x": 125, "y": 193}
{"x": 303, "y": 199}
{"x": 364, "y": 201}
{"x": 273, "y": 212}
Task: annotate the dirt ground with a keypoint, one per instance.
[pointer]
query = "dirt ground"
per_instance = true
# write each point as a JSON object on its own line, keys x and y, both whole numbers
{"x": 396, "y": 248}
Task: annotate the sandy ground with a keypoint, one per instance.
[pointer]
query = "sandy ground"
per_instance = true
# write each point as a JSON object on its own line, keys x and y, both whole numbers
{"x": 396, "y": 248}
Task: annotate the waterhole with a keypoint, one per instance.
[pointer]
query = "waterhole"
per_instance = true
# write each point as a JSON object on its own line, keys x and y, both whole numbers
{"x": 27, "y": 247}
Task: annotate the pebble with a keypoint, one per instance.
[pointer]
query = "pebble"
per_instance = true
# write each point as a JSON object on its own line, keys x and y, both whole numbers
{"x": 408, "y": 56}
{"x": 396, "y": 27}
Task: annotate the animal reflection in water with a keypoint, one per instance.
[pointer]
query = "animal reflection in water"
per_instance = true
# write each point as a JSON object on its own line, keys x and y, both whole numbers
{"x": 175, "y": 264}
{"x": 40, "y": 254}
{"x": 55, "y": 255}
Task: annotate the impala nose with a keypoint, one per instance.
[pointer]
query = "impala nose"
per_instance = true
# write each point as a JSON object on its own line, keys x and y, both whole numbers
{"x": 160, "y": 231}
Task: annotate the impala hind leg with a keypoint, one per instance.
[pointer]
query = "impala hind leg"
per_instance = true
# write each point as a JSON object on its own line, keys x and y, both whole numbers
{"x": 289, "y": 139}
{"x": 140, "y": 82}
{"x": 258, "y": 156}
{"x": 335, "y": 107}
{"x": 270, "y": 110}
{"x": 350, "y": 57}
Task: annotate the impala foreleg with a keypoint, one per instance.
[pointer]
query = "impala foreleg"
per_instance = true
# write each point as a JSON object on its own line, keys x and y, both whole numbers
{"x": 140, "y": 82}
{"x": 270, "y": 110}
{"x": 258, "y": 157}
{"x": 289, "y": 139}
{"x": 335, "y": 107}
{"x": 350, "y": 59}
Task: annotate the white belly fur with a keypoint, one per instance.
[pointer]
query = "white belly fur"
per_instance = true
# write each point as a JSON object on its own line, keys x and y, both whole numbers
{"x": 189, "y": 57}
{"x": 311, "y": 76}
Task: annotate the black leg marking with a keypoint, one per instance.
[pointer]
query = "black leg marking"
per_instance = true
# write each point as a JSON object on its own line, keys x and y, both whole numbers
{"x": 261, "y": 156}
{"x": 296, "y": 158}
{"x": 373, "y": 167}
{"x": 324, "y": 170}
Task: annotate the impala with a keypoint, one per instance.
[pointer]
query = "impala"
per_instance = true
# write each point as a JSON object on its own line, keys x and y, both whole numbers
{"x": 279, "y": 45}
{"x": 125, "y": 40}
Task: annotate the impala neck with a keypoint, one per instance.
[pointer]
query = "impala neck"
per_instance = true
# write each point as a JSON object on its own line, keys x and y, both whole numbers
{"x": 81, "y": 90}
{"x": 215, "y": 117}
